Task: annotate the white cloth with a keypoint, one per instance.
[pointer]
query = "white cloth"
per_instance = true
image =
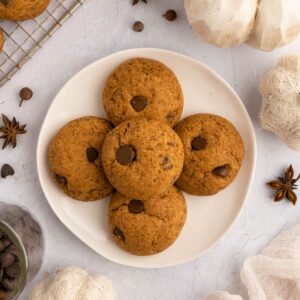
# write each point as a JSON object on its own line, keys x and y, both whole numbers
{"x": 274, "y": 274}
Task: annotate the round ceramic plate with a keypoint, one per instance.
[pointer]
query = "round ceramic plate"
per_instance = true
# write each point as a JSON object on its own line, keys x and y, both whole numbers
{"x": 208, "y": 217}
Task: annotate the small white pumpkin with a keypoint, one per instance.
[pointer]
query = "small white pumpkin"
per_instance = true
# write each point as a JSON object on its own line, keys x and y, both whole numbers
{"x": 277, "y": 24}
{"x": 280, "y": 112}
{"x": 73, "y": 283}
{"x": 265, "y": 24}
{"x": 224, "y": 23}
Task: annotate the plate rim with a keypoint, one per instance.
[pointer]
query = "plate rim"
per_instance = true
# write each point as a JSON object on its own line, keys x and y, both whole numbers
{"x": 212, "y": 72}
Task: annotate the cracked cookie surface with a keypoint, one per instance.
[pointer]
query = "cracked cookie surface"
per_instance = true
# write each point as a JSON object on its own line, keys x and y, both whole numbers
{"x": 146, "y": 227}
{"x": 143, "y": 88}
{"x": 142, "y": 158}
{"x": 18, "y": 10}
{"x": 74, "y": 156}
{"x": 214, "y": 152}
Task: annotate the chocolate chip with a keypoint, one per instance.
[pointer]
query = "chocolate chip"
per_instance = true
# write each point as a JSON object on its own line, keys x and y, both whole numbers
{"x": 5, "y": 2}
{"x": 138, "y": 26}
{"x": 61, "y": 179}
{"x": 6, "y": 242}
{"x": 139, "y": 103}
{"x": 166, "y": 164}
{"x": 1, "y": 273}
{"x": 2, "y": 295}
{"x": 2, "y": 246}
{"x": 125, "y": 155}
{"x": 170, "y": 15}
{"x": 221, "y": 171}
{"x": 199, "y": 143}
{"x": 136, "y": 206}
{"x": 9, "y": 284}
{"x": 170, "y": 116}
{"x": 92, "y": 154}
{"x": 13, "y": 271}
{"x": 119, "y": 233}
{"x": 12, "y": 249}
{"x": 6, "y": 259}
{"x": 7, "y": 170}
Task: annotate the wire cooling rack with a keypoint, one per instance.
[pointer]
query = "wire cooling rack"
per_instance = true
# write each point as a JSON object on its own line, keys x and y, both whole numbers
{"x": 24, "y": 39}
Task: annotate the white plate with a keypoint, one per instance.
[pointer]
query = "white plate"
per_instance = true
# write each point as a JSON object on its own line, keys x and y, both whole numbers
{"x": 208, "y": 217}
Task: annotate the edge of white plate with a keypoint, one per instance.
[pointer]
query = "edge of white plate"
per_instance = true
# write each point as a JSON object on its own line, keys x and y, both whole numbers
{"x": 214, "y": 73}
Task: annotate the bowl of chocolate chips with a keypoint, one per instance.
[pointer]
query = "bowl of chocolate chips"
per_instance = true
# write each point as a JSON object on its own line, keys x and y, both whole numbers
{"x": 21, "y": 249}
{"x": 13, "y": 263}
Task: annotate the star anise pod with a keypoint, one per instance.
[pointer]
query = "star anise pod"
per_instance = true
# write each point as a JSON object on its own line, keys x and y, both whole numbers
{"x": 134, "y": 2}
{"x": 10, "y": 130}
{"x": 285, "y": 186}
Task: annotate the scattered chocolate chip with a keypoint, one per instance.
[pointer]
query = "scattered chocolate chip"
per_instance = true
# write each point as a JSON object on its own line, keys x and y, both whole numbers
{"x": 221, "y": 171}
{"x": 1, "y": 273}
{"x": 170, "y": 15}
{"x": 6, "y": 259}
{"x": 9, "y": 284}
{"x": 139, "y": 103}
{"x": 7, "y": 170}
{"x": 119, "y": 233}
{"x": 138, "y": 26}
{"x": 136, "y": 206}
{"x": 199, "y": 143}
{"x": 13, "y": 271}
{"x": 61, "y": 179}
{"x": 134, "y": 2}
{"x": 92, "y": 154}
{"x": 25, "y": 94}
{"x": 125, "y": 155}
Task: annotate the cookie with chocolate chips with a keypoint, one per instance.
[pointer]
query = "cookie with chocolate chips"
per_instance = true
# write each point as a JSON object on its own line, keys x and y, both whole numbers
{"x": 143, "y": 88}
{"x": 146, "y": 227}
{"x": 18, "y": 10}
{"x": 142, "y": 158}
{"x": 214, "y": 152}
{"x": 75, "y": 159}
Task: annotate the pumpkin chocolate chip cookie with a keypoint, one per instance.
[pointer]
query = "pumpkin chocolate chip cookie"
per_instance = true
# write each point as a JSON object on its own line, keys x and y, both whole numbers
{"x": 75, "y": 159}
{"x": 1, "y": 39}
{"x": 143, "y": 88}
{"x": 18, "y": 10}
{"x": 142, "y": 158}
{"x": 146, "y": 227}
{"x": 214, "y": 152}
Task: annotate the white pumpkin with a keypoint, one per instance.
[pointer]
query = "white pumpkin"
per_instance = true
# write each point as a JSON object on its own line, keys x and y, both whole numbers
{"x": 277, "y": 24}
{"x": 264, "y": 24}
{"x": 224, "y": 23}
{"x": 280, "y": 112}
{"x": 73, "y": 283}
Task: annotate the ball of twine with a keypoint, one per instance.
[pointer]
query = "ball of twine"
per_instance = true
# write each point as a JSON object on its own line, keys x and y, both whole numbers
{"x": 73, "y": 283}
{"x": 280, "y": 112}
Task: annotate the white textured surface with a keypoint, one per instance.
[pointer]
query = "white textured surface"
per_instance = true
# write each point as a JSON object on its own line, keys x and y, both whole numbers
{"x": 98, "y": 29}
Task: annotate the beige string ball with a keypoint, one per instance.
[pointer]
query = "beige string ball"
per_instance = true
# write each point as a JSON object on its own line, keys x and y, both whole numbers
{"x": 73, "y": 283}
{"x": 280, "y": 112}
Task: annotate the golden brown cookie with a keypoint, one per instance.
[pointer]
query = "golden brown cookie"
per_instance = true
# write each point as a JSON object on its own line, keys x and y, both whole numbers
{"x": 147, "y": 227}
{"x": 142, "y": 158}
{"x": 1, "y": 39}
{"x": 75, "y": 159}
{"x": 143, "y": 88}
{"x": 214, "y": 152}
{"x": 18, "y": 10}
